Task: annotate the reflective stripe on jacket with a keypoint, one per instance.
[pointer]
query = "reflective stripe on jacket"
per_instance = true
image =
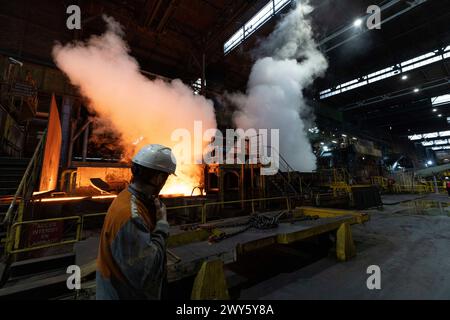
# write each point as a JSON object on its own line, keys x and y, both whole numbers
{"x": 131, "y": 262}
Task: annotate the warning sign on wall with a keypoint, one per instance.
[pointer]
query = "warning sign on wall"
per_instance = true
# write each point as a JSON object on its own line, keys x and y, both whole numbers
{"x": 42, "y": 233}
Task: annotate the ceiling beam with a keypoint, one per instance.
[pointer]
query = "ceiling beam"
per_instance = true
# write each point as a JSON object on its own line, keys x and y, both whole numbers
{"x": 439, "y": 83}
{"x": 411, "y": 5}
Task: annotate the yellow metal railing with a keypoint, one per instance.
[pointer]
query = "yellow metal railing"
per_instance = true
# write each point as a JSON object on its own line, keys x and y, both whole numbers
{"x": 341, "y": 187}
{"x": 380, "y": 181}
{"x": 422, "y": 188}
{"x": 26, "y": 184}
{"x": 14, "y": 215}
{"x": 252, "y": 201}
{"x": 13, "y": 246}
{"x": 13, "y": 242}
{"x": 63, "y": 180}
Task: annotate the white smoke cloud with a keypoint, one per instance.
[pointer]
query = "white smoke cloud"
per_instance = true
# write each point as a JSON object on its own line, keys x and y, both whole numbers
{"x": 289, "y": 62}
{"x": 140, "y": 110}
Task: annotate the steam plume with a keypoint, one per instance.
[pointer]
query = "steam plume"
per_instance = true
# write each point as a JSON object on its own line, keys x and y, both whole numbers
{"x": 140, "y": 110}
{"x": 289, "y": 61}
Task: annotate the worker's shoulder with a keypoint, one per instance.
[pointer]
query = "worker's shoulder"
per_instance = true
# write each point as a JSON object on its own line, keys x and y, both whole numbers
{"x": 138, "y": 208}
{"x": 120, "y": 208}
{"x": 126, "y": 206}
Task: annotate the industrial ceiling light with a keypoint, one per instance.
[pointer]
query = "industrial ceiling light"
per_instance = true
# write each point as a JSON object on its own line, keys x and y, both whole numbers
{"x": 14, "y": 61}
{"x": 440, "y": 100}
{"x": 430, "y": 162}
{"x": 358, "y": 23}
{"x": 391, "y": 71}
{"x": 434, "y": 110}
{"x": 405, "y": 77}
{"x": 416, "y": 90}
{"x": 440, "y": 115}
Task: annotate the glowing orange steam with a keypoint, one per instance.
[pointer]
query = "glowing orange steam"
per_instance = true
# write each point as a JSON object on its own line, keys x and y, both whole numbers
{"x": 142, "y": 111}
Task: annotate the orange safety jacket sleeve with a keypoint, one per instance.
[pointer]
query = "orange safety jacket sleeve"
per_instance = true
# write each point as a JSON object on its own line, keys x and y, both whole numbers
{"x": 141, "y": 255}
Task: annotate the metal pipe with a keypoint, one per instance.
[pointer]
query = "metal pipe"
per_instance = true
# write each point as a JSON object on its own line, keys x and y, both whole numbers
{"x": 66, "y": 128}
{"x": 81, "y": 130}
{"x": 410, "y": 7}
{"x": 85, "y": 142}
{"x": 81, "y": 220}
{"x": 25, "y": 177}
{"x": 71, "y": 141}
{"x": 436, "y": 188}
{"x": 158, "y": 5}
{"x": 203, "y": 74}
{"x": 162, "y": 23}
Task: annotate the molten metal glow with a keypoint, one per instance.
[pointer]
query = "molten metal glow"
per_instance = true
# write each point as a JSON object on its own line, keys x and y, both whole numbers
{"x": 138, "y": 110}
{"x": 178, "y": 186}
{"x": 36, "y": 193}
{"x": 112, "y": 196}
{"x": 62, "y": 199}
{"x": 183, "y": 184}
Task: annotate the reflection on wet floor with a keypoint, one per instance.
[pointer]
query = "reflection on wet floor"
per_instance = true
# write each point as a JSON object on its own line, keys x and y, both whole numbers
{"x": 426, "y": 207}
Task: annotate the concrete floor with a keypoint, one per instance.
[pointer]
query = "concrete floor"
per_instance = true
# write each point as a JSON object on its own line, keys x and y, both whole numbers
{"x": 411, "y": 250}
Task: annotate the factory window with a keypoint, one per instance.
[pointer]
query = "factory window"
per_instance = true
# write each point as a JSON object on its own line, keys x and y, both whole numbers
{"x": 280, "y": 4}
{"x": 415, "y": 137}
{"x": 197, "y": 86}
{"x": 440, "y": 142}
{"x": 440, "y": 148}
{"x": 264, "y": 15}
{"x": 389, "y": 72}
{"x": 259, "y": 19}
{"x": 447, "y": 147}
{"x": 436, "y": 101}
{"x": 213, "y": 181}
{"x": 231, "y": 181}
{"x": 431, "y": 135}
{"x": 234, "y": 41}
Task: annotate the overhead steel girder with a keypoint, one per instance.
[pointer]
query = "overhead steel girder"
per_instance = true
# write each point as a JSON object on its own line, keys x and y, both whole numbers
{"x": 427, "y": 86}
{"x": 390, "y": 4}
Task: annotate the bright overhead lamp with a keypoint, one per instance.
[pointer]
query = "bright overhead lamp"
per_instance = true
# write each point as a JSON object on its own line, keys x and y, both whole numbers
{"x": 358, "y": 23}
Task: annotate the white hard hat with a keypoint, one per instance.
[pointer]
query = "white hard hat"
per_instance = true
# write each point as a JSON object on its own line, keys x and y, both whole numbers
{"x": 157, "y": 157}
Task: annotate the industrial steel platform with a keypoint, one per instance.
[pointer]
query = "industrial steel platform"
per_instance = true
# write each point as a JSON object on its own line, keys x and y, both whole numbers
{"x": 192, "y": 253}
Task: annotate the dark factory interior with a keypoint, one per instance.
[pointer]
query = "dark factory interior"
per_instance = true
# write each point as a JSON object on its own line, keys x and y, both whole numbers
{"x": 236, "y": 149}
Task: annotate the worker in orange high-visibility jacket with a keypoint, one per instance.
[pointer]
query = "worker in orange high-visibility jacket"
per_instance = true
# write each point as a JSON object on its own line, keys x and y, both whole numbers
{"x": 131, "y": 261}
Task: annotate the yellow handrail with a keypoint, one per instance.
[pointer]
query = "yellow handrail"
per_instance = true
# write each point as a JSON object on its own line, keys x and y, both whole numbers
{"x": 13, "y": 243}
{"x": 31, "y": 166}
{"x": 18, "y": 225}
